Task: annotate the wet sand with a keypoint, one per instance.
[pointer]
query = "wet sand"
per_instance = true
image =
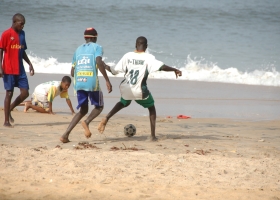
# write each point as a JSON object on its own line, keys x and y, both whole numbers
{"x": 175, "y": 97}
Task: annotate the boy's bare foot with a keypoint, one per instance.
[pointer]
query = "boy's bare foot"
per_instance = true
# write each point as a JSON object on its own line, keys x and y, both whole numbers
{"x": 11, "y": 119}
{"x": 26, "y": 107}
{"x": 64, "y": 140}
{"x": 8, "y": 125}
{"x": 87, "y": 131}
{"x": 153, "y": 139}
{"x": 102, "y": 125}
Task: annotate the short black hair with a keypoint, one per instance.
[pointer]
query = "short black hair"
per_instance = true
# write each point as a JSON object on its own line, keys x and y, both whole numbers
{"x": 18, "y": 16}
{"x": 141, "y": 40}
{"x": 66, "y": 79}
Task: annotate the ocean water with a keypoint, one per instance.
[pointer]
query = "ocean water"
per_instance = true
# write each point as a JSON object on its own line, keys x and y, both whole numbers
{"x": 214, "y": 41}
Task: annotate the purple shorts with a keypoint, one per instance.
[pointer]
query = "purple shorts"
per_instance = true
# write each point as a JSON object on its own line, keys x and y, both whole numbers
{"x": 95, "y": 97}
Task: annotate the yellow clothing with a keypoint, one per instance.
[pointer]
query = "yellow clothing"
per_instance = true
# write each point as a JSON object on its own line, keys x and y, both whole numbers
{"x": 46, "y": 92}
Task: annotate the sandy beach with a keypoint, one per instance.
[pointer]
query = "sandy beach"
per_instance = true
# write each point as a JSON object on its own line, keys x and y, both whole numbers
{"x": 193, "y": 159}
{"x": 228, "y": 149}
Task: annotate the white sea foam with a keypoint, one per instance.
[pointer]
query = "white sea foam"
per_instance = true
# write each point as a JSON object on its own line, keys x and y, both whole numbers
{"x": 194, "y": 69}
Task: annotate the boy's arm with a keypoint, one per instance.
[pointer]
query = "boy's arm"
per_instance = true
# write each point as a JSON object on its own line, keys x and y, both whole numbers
{"x": 31, "y": 69}
{"x": 1, "y": 59}
{"x": 70, "y": 106}
{"x": 50, "y": 108}
{"x": 107, "y": 67}
{"x": 74, "y": 63}
{"x": 169, "y": 69}
{"x": 101, "y": 68}
{"x": 72, "y": 71}
{"x": 50, "y": 97}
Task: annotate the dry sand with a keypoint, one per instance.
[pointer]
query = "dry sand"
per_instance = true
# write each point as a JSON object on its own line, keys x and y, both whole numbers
{"x": 193, "y": 159}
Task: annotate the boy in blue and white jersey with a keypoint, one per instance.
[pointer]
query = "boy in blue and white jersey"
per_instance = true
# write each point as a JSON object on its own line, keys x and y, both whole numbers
{"x": 85, "y": 67}
{"x": 87, "y": 60}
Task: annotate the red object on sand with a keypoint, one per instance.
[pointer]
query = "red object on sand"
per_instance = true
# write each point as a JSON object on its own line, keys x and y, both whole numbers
{"x": 183, "y": 117}
{"x": 169, "y": 117}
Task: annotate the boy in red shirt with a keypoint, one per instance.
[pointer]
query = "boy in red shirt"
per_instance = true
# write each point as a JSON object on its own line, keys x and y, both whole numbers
{"x": 12, "y": 51}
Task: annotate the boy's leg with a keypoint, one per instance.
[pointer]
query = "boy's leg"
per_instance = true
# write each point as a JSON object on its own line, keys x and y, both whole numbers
{"x": 23, "y": 95}
{"x": 7, "y": 103}
{"x": 117, "y": 108}
{"x": 75, "y": 120}
{"x": 24, "y": 103}
{"x": 27, "y": 105}
{"x": 94, "y": 113}
{"x": 37, "y": 108}
{"x": 149, "y": 103}
{"x": 153, "y": 116}
{"x": 96, "y": 98}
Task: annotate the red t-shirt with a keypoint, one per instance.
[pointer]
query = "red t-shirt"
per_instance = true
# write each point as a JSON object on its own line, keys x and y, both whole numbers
{"x": 13, "y": 45}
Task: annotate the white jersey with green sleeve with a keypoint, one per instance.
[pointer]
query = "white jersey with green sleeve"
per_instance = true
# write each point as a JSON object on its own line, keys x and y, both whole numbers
{"x": 136, "y": 66}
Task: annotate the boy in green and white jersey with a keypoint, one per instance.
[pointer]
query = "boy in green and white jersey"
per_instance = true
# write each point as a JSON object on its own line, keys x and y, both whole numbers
{"x": 137, "y": 66}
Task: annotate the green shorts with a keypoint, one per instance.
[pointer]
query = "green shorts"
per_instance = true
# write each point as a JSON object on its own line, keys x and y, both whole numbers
{"x": 146, "y": 103}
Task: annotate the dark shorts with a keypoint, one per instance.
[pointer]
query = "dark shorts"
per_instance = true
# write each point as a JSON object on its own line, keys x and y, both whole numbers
{"x": 146, "y": 103}
{"x": 11, "y": 81}
{"x": 96, "y": 98}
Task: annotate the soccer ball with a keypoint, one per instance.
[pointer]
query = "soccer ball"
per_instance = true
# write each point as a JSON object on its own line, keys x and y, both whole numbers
{"x": 129, "y": 130}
